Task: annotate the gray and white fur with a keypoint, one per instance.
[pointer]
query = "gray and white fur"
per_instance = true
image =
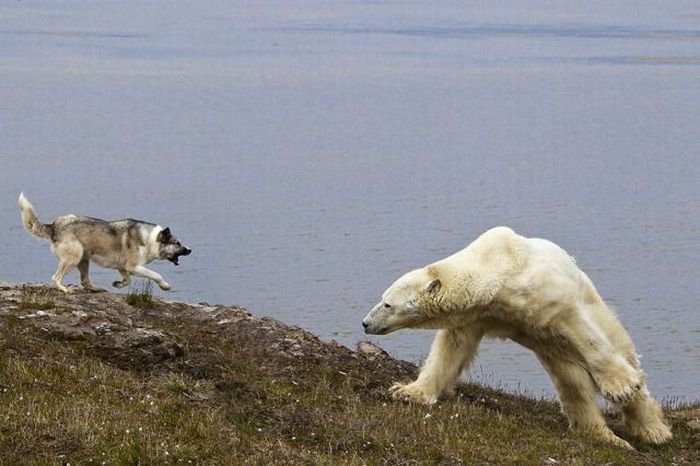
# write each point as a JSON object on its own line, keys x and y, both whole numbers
{"x": 125, "y": 245}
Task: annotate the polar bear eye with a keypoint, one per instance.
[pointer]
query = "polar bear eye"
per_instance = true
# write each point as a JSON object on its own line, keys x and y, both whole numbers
{"x": 387, "y": 305}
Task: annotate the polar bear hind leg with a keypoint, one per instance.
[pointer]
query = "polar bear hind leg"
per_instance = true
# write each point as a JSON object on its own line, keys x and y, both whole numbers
{"x": 644, "y": 419}
{"x": 577, "y": 395}
{"x": 617, "y": 379}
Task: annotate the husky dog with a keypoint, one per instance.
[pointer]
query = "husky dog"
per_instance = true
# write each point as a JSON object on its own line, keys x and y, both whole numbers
{"x": 125, "y": 245}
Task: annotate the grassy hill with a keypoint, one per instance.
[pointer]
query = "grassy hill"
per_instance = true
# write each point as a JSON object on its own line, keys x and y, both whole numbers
{"x": 87, "y": 378}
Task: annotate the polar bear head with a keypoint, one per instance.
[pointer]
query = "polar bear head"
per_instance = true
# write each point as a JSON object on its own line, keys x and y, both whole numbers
{"x": 409, "y": 303}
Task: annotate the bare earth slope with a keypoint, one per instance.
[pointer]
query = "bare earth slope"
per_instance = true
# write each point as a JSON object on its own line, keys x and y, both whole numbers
{"x": 86, "y": 378}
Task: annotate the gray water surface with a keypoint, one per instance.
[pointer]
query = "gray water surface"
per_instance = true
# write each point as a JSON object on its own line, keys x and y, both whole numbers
{"x": 312, "y": 152}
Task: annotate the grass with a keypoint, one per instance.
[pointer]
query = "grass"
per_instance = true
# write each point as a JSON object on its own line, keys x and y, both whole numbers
{"x": 141, "y": 296}
{"x": 36, "y": 298}
{"x": 239, "y": 395}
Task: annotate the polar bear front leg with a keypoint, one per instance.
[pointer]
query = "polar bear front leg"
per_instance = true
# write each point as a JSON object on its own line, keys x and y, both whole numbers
{"x": 452, "y": 351}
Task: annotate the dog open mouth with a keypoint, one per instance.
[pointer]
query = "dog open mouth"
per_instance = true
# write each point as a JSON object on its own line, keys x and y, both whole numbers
{"x": 175, "y": 258}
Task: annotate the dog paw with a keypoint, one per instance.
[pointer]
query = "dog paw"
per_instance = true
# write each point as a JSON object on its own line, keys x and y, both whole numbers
{"x": 97, "y": 290}
{"x": 165, "y": 286}
{"x": 413, "y": 393}
{"x": 93, "y": 289}
{"x": 120, "y": 283}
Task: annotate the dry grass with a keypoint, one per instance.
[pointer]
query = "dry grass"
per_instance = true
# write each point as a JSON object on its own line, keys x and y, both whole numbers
{"x": 252, "y": 391}
{"x": 36, "y": 298}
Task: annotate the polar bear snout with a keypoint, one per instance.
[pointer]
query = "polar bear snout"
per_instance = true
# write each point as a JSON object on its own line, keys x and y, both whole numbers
{"x": 370, "y": 328}
{"x": 373, "y": 329}
{"x": 386, "y": 318}
{"x": 374, "y": 323}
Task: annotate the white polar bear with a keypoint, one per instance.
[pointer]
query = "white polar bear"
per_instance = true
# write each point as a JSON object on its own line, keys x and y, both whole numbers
{"x": 530, "y": 290}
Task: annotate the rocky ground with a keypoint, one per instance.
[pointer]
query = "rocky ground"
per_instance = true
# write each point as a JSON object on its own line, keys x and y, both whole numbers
{"x": 103, "y": 378}
{"x": 137, "y": 337}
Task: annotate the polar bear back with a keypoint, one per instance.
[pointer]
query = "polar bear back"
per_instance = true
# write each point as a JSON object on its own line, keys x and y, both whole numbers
{"x": 474, "y": 275}
{"x": 529, "y": 282}
{"x": 522, "y": 274}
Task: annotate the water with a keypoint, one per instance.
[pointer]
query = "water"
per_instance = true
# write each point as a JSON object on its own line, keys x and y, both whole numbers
{"x": 311, "y": 152}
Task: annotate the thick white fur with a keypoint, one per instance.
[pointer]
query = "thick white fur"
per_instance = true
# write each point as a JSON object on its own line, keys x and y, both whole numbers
{"x": 531, "y": 291}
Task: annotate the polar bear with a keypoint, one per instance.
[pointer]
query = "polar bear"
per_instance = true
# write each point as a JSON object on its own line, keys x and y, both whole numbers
{"x": 529, "y": 290}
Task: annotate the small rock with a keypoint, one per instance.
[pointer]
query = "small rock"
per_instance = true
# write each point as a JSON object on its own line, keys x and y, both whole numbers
{"x": 370, "y": 349}
{"x": 104, "y": 328}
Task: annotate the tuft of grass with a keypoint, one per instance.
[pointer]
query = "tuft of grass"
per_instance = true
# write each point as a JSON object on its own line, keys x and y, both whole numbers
{"x": 184, "y": 386}
{"x": 141, "y": 296}
{"x": 36, "y": 298}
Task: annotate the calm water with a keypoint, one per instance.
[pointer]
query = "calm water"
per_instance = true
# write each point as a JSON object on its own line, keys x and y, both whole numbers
{"x": 311, "y": 152}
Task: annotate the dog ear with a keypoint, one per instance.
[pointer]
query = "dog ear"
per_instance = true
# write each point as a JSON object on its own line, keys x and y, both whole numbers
{"x": 164, "y": 235}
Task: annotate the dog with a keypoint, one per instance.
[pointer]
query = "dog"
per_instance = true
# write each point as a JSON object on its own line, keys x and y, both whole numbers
{"x": 125, "y": 245}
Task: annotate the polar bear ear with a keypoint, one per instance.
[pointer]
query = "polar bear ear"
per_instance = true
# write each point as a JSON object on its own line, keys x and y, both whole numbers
{"x": 434, "y": 286}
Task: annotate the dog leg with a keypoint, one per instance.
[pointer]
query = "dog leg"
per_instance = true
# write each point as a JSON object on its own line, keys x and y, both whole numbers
{"x": 69, "y": 255}
{"x": 84, "y": 269}
{"x": 125, "y": 281}
{"x": 63, "y": 269}
{"x": 143, "y": 272}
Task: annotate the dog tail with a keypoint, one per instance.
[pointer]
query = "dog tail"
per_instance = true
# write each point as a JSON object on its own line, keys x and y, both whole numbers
{"x": 31, "y": 221}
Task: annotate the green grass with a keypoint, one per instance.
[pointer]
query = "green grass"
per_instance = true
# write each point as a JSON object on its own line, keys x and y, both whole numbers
{"x": 239, "y": 395}
{"x": 141, "y": 296}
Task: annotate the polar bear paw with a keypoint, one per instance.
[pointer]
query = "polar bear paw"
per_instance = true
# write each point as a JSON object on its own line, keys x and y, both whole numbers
{"x": 609, "y": 436}
{"x": 621, "y": 388}
{"x": 412, "y": 392}
{"x": 656, "y": 432}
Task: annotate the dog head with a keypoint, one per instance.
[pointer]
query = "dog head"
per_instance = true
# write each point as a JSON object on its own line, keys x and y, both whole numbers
{"x": 170, "y": 248}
